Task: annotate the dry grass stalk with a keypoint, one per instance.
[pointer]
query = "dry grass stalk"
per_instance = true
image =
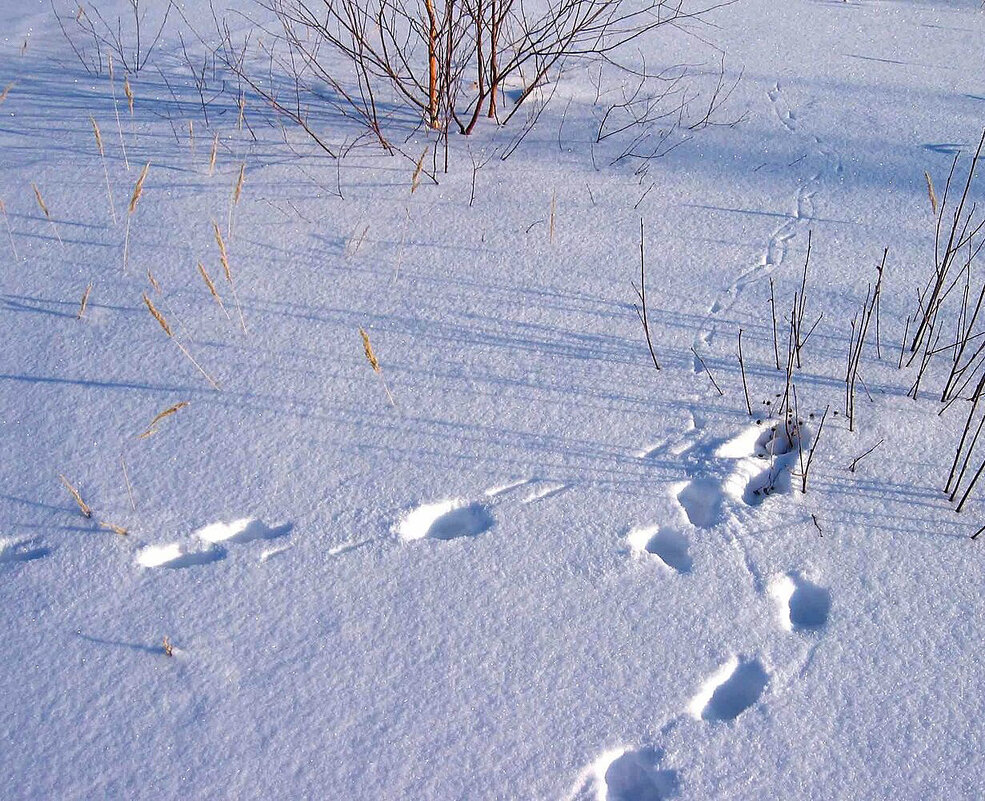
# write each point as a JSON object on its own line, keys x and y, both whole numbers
{"x": 242, "y": 112}
{"x": 415, "y": 180}
{"x": 126, "y": 479}
{"x": 84, "y": 303}
{"x": 114, "y": 528}
{"x": 6, "y": 91}
{"x": 236, "y": 195}
{"x": 41, "y": 203}
{"x": 931, "y": 193}
{"x": 153, "y": 281}
{"x": 116, "y": 108}
{"x": 158, "y": 316}
{"x": 102, "y": 158}
{"x": 83, "y": 506}
{"x": 224, "y": 259}
{"x": 167, "y": 647}
{"x": 162, "y": 321}
{"x": 129, "y": 92}
{"x": 152, "y": 428}
{"x": 355, "y": 242}
{"x": 215, "y": 149}
{"x": 239, "y": 183}
{"x": 374, "y": 363}
{"x": 223, "y": 254}
{"x": 47, "y": 214}
{"x": 191, "y": 136}
{"x": 214, "y": 292}
{"x": 138, "y": 191}
{"x": 10, "y": 233}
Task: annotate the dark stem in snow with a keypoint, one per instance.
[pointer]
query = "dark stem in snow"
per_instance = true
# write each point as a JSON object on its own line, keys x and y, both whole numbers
{"x": 742, "y": 370}
{"x": 641, "y": 309}
{"x": 857, "y": 459}
{"x": 714, "y": 383}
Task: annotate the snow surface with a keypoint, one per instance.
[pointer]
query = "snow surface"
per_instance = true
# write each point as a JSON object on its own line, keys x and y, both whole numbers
{"x": 547, "y": 571}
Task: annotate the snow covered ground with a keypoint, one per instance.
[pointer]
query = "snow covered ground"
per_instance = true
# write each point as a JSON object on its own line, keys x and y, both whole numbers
{"x": 548, "y": 570}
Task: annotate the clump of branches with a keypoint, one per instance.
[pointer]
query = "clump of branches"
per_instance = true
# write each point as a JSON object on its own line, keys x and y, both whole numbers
{"x": 394, "y": 65}
{"x": 946, "y": 301}
{"x": 129, "y": 39}
{"x": 861, "y": 323}
{"x": 657, "y": 112}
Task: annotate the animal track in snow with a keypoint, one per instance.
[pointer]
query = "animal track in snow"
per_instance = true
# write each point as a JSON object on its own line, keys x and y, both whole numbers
{"x": 175, "y": 555}
{"x": 730, "y": 690}
{"x": 701, "y": 501}
{"x": 542, "y": 490}
{"x": 763, "y": 459}
{"x": 446, "y": 520}
{"x": 246, "y": 529}
{"x": 502, "y": 489}
{"x": 804, "y": 606}
{"x": 13, "y": 551}
{"x": 669, "y": 546}
{"x": 625, "y": 774}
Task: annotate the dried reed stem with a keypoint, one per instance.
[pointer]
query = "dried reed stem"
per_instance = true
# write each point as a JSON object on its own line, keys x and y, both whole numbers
{"x": 129, "y": 92}
{"x": 138, "y": 190}
{"x": 224, "y": 259}
{"x": 114, "y": 528}
{"x": 214, "y": 292}
{"x": 152, "y": 428}
{"x": 375, "y": 364}
{"x": 83, "y": 506}
{"x": 931, "y": 193}
{"x": 102, "y": 158}
{"x": 162, "y": 321}
{"x": 116, "y": 108}
{"x": 47, "y": 214}
{"x": 6, "y": 91}
{"x": 415, "y": 180}
{"x": 84, "y": 303}
{"x": 236, "y": 195}
{"x": 215, "y": 149}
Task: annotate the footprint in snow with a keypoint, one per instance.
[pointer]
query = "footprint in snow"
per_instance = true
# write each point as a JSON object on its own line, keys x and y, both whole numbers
{"x": 701, "y": 502}
{"x": 446, "y": 520}
{"x": 173, "y": 556}
{"x": 455, "y": 518}
{"x": 211, "y": 544}
{"x": 668, "y": 546}
{"x": 625, "y": 774}
{"x": 730, "y": 690}
{"x": 804, "y": 606}
{"x": 14, "y": 551}
{"x": 763, "y": 459}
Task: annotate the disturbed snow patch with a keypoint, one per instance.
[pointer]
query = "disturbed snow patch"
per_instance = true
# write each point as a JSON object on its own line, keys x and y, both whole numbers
{"x": 624, "y": 774}
{"x": 246, "y": 529}
{"x": 669, "y": 546}
{"x": 446, "y": 520}
{"x": 730, "y": 690}
{"x": 804, "y": 606}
